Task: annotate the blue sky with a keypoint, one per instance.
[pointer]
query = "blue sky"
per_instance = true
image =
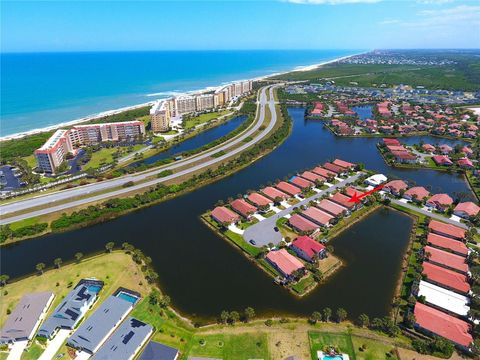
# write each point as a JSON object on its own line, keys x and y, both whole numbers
{"x": 289, "y": 24}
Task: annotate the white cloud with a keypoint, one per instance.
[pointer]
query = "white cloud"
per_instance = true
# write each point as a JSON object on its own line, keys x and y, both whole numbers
{"x": 332, "y": 2}
{"x": 389, "y": 22}
{"x": 434, "y": 2}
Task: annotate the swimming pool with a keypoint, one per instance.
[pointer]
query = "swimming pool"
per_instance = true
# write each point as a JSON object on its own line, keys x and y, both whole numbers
{"x": 322, "y": 356}
{"x": 127, "y": 297}
{"x": 94, "y": 288}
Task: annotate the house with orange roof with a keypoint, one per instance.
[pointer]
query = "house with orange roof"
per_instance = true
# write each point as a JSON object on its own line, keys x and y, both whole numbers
{"x": 395, "y": 187}
{"x": 223, "y": 215}
{"x": 288, "y": 188}
{"x": 448, "y": 230}
{"x": 243, "y": 208}
{"x": 308, "y": 249}
{"x": 439, "y": 202}
{"x": 416, "y": 193}
{"x": 285, "y": 263}
{"x": 466, "y": 210}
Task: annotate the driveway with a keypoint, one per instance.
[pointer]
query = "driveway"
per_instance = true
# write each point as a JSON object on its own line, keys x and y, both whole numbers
{"x": 264, "y": 232}
{"x": 16, "y": 350}
{"x": 55, "y": 344}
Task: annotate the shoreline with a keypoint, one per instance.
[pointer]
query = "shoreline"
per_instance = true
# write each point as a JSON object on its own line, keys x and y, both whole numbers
{"x": 154, "y": 96}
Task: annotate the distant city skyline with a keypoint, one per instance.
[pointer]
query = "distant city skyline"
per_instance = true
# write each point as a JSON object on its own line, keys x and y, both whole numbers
{"x": 197, "y": 25}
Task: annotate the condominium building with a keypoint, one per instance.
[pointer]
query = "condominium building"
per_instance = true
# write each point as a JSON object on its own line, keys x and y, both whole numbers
{"x": 160, "y": 116}
{"x": 185, "y": 104}
{"x": 52, "y": 154}
{"x": 238, "y": 89}
{"x": 205, "y": 102}
{"x": 218, "y": 99}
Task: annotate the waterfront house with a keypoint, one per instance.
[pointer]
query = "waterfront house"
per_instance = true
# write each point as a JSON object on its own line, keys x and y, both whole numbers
{"x": 446, "y": 278}
{"x": 446, "y": 259}
{"x": 126, "y": 342}
{"x": 449, "y": 244}
{"x": 404, "y": 157}
{"x": 390, "y": 141}
{"x": 442, "y": 160}
{"x": 416, "y": 193}
{"x": 72, "y": 308}
{"x": 26, "y": 317}
{"x": 308, "y": 249}
{"x": 395, "y": 187}
{"x": 301, "y": 183}
{"x": 428, "y": 148}
{"x": 344, "y": 201}
{"x": 259, "y": 200}
{"x": 287, "y": 264}
{"x": 439, "y": 202}
{"x": 97, "y": 328}
{"x": 243, "y": 208}
{"x": 318, "y": 216}
{"x": 155, "y": 351}
{"x": 302, "y": 224}
{"x": 444, "y": 299}
{"x": 436, "y": 322}
{"x": 310, "y": 176}
{"x": 344, "y": 164}
{"x": 332, "y": 208}
{"x": 223, "y": 215}
{"x": 334, "y": 168}
{"x": 466, "y": 210}
{"x": 445, "y": 149}
{"x": 465, "y": 163}
{"x": 447, "y": 230}
{"x": 376, "y": 180}
{"x": 317, "y": 109}
{"x": 467, "y": 151}
{"x": 329, "y": 175}
{"x": 288, "y": 188}
{"x": 274, "y": 193}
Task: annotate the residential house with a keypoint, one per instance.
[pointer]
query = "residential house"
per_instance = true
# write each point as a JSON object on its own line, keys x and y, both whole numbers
{"x": 448, "y": 230}
{"x": 395, "y": 187}
{"x": 416, "y": 193}
{"x": 318, "y": 216}
{"x": 274, "y": 193}
{"x": 446, "y": 278}
{"x": 439, "y": 202}
{"x": 466, "y": 210}
{"x": 243, "y": 208}
{"x": 285, "y": 263}
{"x": 288, "y": 188}
{"x": 223, "y": 215}
{"x": 302, "y": 224}
{"x": 332, "y": 208}
{"x": 308, "y": 249}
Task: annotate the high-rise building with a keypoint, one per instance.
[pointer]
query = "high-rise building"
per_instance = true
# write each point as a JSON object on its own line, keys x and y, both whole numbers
{"x": 185, "y": 104}
{"x": 53, "y": 153}
{"x": 160, "y": 116}
{"x": 204, "y": 102}
{"x": 218, "y": 99}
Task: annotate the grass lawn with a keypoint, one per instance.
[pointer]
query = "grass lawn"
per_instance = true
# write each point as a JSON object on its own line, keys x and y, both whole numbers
{"x": 304, "y": 284}
{"x": 231, "y": 346}
{"x": 375, "y": 350}
{"x": 23, "y": 223}
{"x": 343, "y": 342}
{"x": 201, "y": 119}
{"x": 105, "y": 155}
{"x": 31, "y": 161}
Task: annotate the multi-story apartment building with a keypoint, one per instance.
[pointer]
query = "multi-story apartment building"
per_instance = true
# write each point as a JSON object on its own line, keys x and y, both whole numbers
{"x": 160, "y": 116}
{"x": 205, "y": 102}
{"x": 53, "y": 153}
{"x": 185, "y": 104}
{"x": 218, "y": 99}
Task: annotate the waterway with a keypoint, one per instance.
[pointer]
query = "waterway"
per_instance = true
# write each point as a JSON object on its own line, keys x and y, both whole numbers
{"x": 196, "y": 142}
{"x": 203, "y": 274}
{"x": 364, "y": 112}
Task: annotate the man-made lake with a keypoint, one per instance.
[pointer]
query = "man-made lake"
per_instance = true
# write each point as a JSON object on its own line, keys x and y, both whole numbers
{"x": 364, "y": 112}
{"x": 203, "y": 274}
{"x": 197, "y": 141}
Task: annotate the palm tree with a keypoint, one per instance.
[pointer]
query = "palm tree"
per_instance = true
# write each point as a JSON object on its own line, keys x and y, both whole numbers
{"x": 224, "y": 316}
{"x": 57, "y": 262}
{"x": 109, "y": 246}
{"x": 78, "y": 256}
{"x": 40, "y": 267}
{"x": 249, "y": 313}
{"x": 327, "y": 313}
{"x": 341, "y": 314}
{"x": 4, "y": 279}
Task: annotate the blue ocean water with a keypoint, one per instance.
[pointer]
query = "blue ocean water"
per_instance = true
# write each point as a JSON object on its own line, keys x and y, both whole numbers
{"x": 44, "y": 89}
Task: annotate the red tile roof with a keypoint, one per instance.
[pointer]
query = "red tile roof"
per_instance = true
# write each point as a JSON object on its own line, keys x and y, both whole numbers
{"x": 446, "y": 229}
{"x": 342, "y": 200}
{"x": 286, "y": 262}
{"x": 224, "y": 215}
{"x": 331, "y": 207}
{"x": 442, "y": 160}
{"x": 350, "y": 191}
{"x": 288, "y": 188}
{"x": 301, "y": 183}
{"x": 396, "y": 185}
{"x": 302, "y": 224}
{"x": 443, "y": 324}
{"x": 446, "y": 277}
{"x": 243, "y": 207}
{"x": 447, "y": 259}
{"x": 312, "y": 176}
{"x": 334, "y": 168}
{"x": 272, "y": 193}
{"x": 440, "y": 199}
{"x": 323, "y": 172}
{"x": 418, "y": 191}
{"x": 317, "y": 215}
{"x": 309, "y": 246}
{"x": 447, "y": 243}
{"x": 343, "y": 164}
{"x": 469, "y": 208}
{"x": 388, "y": 141}
{"x": 259, "y": 199}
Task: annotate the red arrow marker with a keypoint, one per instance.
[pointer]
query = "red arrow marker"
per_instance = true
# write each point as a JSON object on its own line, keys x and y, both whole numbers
{"x": 356, "y": 198}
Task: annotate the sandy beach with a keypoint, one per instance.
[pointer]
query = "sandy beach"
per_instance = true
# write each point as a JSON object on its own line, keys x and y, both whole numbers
{"x": 172, "y": 93}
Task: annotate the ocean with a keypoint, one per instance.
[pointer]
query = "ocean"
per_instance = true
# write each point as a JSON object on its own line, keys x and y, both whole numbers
{"x": 45, "y": 89}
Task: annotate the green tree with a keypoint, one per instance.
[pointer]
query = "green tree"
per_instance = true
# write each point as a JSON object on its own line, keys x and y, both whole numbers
{"x": 363, "y": 320}
{"x": 109, "y": 246}
{"x": 224, "y": 316}
{"x": 57, "y": 262}
{"x": 78, "y": 256}
{"x": 327, "y": 314}
{"x": 165, "y": 301}
{"x": 315, "y": 317}
{"x": 40, "y": 267}
{"x": 249, "y": 313}
{"x": 234, "y": 317}
{"x": 4, "y": 279}
{"x": 341, "y": 314}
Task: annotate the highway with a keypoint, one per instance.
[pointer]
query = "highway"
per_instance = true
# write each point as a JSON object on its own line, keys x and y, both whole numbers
{"x": 64, "y": 195}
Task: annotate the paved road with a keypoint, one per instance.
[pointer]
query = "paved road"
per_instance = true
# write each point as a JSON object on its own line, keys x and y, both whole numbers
{"x": 108, "y": 184}
{"x": 428, "y": 213}
{"x": 264, "y": 232}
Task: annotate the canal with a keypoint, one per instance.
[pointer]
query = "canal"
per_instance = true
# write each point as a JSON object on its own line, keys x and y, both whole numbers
{"x": 204, "y": 274}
